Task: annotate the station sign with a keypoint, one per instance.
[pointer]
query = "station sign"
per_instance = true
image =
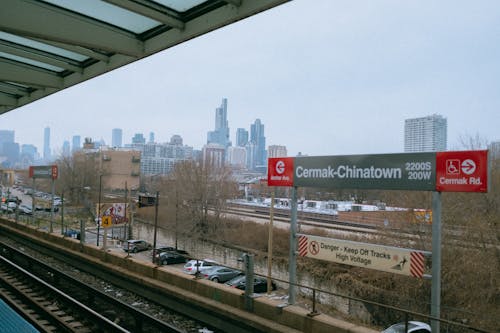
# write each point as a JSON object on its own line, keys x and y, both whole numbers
{"x": 382, "y": 258}
{"x": 43, "y": 171}
{"x": 462, "y": 171}
{"x": 280, "y": 171}
{"x": 405, "y": 171}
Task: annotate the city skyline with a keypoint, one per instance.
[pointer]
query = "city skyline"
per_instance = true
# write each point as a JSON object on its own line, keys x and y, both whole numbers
{"x": 342, "y": 82}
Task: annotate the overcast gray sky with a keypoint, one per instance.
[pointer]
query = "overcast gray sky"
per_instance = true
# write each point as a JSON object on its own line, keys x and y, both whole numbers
{"x": 325, "y": 77}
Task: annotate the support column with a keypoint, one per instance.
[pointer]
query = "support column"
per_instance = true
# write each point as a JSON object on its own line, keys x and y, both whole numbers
{"x": 436, "y": 261}
{"x": 292, "y": 261}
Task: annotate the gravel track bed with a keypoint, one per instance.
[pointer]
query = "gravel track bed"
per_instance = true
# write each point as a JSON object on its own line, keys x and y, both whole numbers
{"x": 153, "y": 309}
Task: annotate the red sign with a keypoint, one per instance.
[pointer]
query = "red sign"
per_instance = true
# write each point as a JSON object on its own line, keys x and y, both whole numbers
{"x": 462, "y": 171}
{"x": 43, "y": 171}
{"x": 280, "y": 171}
{"x": 54, "y": 172}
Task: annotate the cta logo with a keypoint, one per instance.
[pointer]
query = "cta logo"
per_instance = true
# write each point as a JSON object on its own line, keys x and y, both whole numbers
{"x": 280, "y": 167}
{"x": 280, "y": 171}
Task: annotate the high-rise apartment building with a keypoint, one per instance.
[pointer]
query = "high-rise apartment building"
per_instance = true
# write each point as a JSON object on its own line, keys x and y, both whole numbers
{"x": 116, "y": 137}
{"x": 236, "y": 156}
{"x": 425, "y": 134}
{"x": 46, "y": 144}
{"x": 160, "y": 158}
{"x": 214, "y": 155}
{"x": 276, "y": 151}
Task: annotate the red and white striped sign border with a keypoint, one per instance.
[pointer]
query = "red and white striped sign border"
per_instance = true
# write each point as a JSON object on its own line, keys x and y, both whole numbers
{"x": 303, "y": 242}
{"x": 417, "y": 264}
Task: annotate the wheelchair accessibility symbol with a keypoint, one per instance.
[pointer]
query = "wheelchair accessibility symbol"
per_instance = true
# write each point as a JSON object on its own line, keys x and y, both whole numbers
{"x": 453, "y": 167}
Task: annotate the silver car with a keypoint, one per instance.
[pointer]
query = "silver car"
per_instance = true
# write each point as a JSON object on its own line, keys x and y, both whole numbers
{"x": 221, "y": 273}
{"x": 413, "y": 327}
{"x": 136, "y": 245}
{"x": 194, "y": 266}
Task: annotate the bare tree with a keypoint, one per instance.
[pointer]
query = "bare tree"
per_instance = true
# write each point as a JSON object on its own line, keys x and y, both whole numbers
{"x": 203, "y": 190}
{"x": 78, "y": 177}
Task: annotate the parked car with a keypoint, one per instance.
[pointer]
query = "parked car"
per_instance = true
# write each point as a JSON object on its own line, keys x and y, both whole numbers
{"x": 413, "y": 327}
{"x": 221, "y": 273}
{"x": 25, "y": 209}
{"x": 136, "y": 245}
{"x": 259, "y": 283}
{"x": 6, "y": 208}
{"x": 72, "y": 233}
{"x": 161, "y": 249}
{"x": 193, "y": 266}
{"x": 170, "y": 257}
{"x": 12, "y": 203}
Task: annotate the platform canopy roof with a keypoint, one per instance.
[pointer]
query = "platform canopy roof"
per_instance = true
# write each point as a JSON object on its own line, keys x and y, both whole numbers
{"x": 50, "y": 45}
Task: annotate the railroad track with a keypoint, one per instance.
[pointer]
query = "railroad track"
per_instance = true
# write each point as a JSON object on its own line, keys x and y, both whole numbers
{"x": 53, "y": 301}
{"x": 327, "y": 222}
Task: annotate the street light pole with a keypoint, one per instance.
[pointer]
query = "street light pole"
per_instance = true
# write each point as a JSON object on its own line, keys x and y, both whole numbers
{"x": 99, "y": 210}
{"x": 156, "y": 226}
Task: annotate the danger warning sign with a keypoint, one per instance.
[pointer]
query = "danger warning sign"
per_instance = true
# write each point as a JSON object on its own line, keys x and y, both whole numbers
{"x": 383, "y": 258}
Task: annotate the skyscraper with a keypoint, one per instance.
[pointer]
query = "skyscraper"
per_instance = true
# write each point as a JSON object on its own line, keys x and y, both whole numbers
{"x": 221, "y": 133}
{"x": 241, "y": 137}
{"x": 6, "y": 136}
{"x": 66, "y": 148}
{"x": 46, "y": 144}
{"x": 259, "y": 140}
{"x": 425, "y": 134}
{"x": 138, "y": 139}
{"x": 76, "y": 144}
{"x": 116, "y": 137}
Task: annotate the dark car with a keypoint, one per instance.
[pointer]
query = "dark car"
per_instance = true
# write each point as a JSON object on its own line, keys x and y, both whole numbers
{"x": 170, "y": 257}
{"x": 72, "y": 233}
{"x": 136, "y": 245}
{"x": 259, "y": 283}
{"x": 221, "y": 273}
{"x": 161, "y": 249}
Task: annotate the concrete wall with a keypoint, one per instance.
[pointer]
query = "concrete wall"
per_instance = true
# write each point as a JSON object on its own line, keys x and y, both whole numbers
{"x": 268, "y": 315}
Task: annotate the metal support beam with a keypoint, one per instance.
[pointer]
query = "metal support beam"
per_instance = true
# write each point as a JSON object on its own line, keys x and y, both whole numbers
{"x": 157, "y": 13}
{"x": 24, "y": 74}
{"x": 31, "y": 18}
{"x": 6, "y": 99}
{"x": 436, "y": 261}
{"x": 292, "y": 261}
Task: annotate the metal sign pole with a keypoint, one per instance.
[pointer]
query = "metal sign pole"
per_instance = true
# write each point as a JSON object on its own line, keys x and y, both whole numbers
{"x": 156, "y": 226}
{"x": 436, "y": 261}
{"x": 270, "y": 245}
{"x": 52, "y": 206}
{"x": 292, "y": 261}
